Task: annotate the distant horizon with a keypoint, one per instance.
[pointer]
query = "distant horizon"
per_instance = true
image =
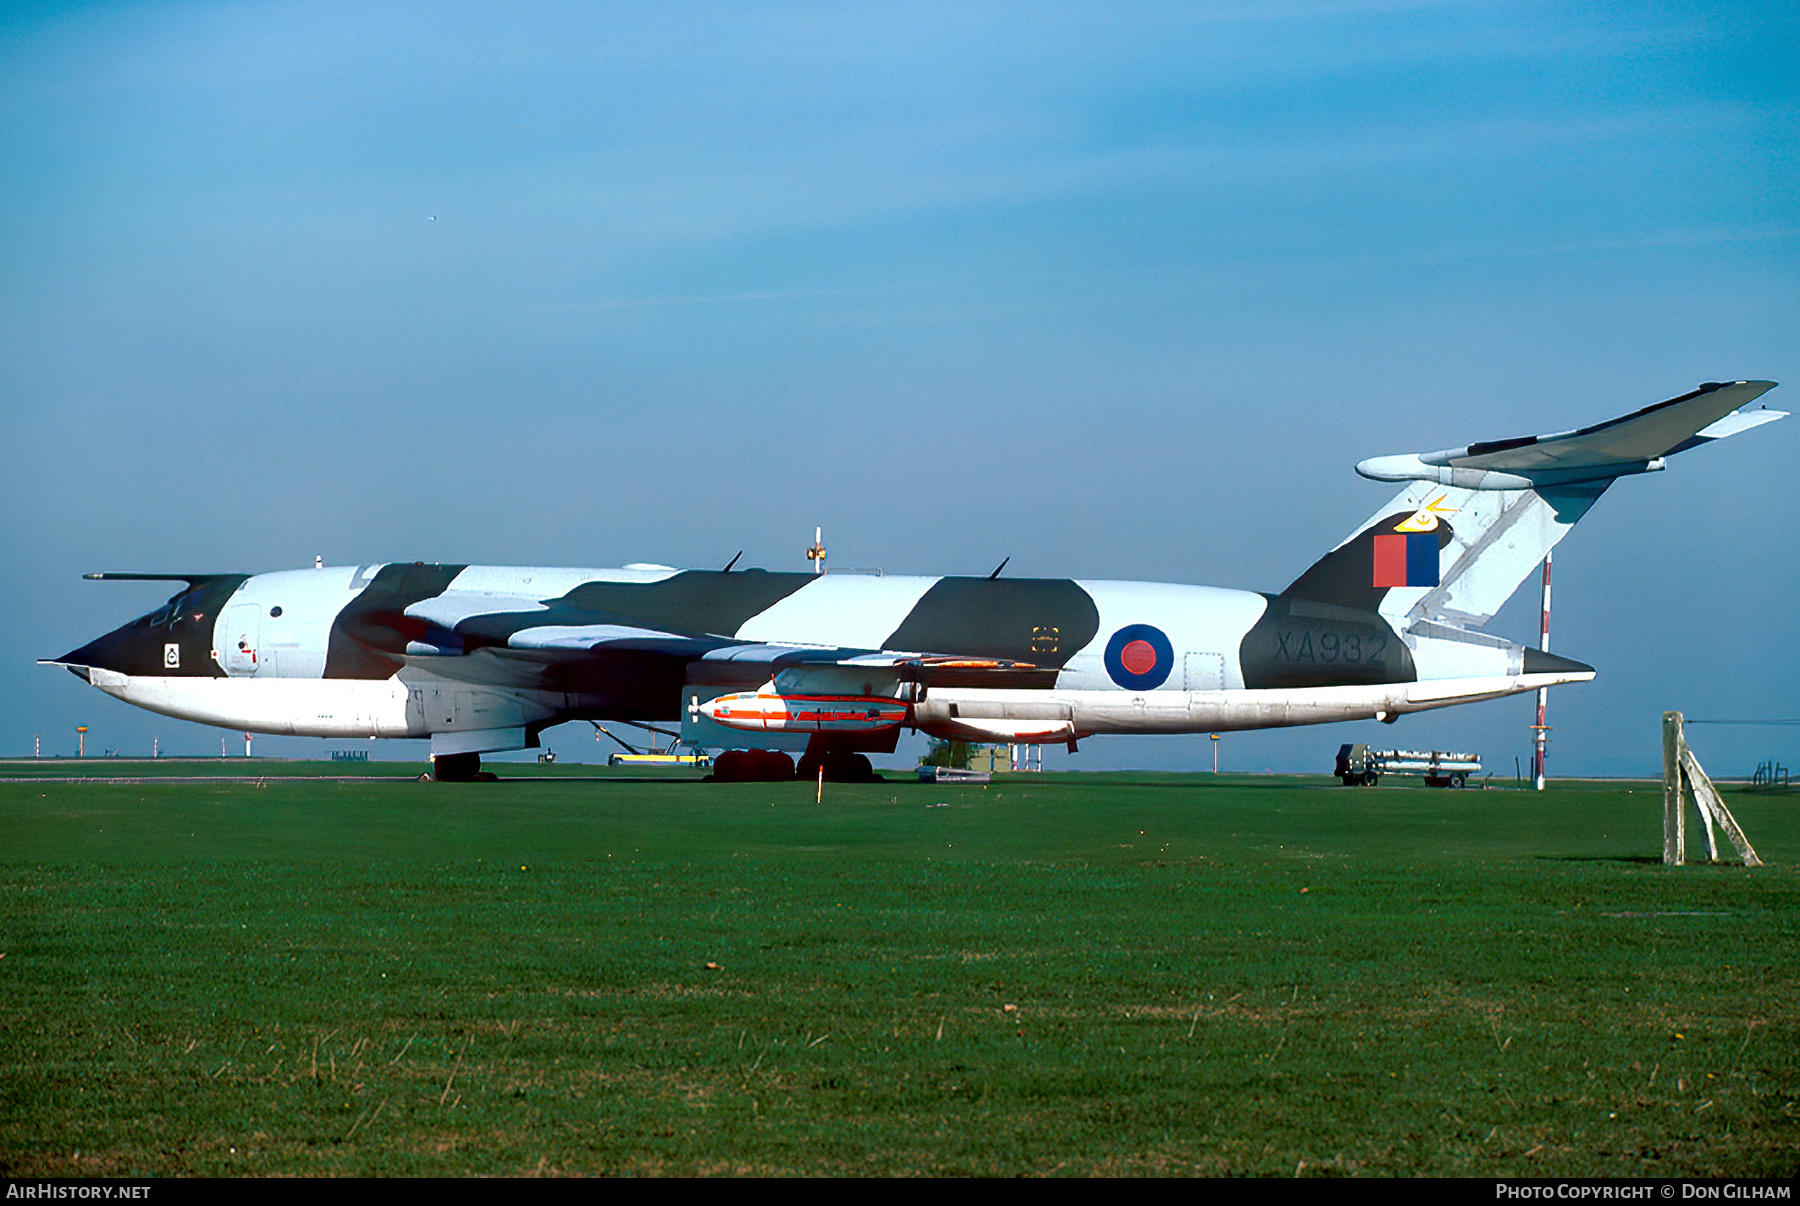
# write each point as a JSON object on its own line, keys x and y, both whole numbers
{"x": 523, "y": 757}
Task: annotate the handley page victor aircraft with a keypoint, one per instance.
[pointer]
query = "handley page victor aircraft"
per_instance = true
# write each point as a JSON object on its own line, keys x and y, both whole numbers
{"x": 482, "y": 658}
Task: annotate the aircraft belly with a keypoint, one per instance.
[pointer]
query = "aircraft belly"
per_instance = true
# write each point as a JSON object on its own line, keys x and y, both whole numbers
{"x": 436, "y": 706}
{"x": 1001, "y": 714}
{"x": 297, "y": 707}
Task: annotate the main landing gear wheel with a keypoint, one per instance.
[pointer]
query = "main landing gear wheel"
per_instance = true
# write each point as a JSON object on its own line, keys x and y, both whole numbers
{"x": 839, "y": 768}
{"x": 460, "y": 768}
{"x": 752, "y": 766}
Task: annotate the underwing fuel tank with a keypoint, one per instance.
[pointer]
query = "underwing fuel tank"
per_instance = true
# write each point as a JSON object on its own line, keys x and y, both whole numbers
{"x": 757, "y": 712}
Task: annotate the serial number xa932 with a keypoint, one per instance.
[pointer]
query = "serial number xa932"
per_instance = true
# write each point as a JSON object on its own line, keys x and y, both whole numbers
{"x": 1288, "y": 650}
{"x": 1328, "y": 646}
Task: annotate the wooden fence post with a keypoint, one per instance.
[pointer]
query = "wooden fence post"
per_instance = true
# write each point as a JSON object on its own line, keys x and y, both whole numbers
{"x": 1683, "y": 780}
{"x": 1674, "y": 815}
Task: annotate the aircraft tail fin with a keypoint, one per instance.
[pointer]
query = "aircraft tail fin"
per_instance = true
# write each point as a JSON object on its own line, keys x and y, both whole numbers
{"x": 1472, "y": 522}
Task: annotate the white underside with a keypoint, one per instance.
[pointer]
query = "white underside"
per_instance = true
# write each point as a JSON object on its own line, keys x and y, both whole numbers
{"x": 1060, "y": 715}
{"x": 294, "y": 707}
{"x": 303, "y": 707}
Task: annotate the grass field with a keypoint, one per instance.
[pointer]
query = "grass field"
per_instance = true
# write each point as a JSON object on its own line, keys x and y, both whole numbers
{"x": 577, "y": 973}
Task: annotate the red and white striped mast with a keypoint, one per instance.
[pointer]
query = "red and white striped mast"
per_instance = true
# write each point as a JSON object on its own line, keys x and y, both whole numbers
{"x": 1541, "y": 729}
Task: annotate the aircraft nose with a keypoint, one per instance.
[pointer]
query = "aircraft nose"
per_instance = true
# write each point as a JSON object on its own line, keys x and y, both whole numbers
{"x": 175, "y": 639}
{"x": 140, "y": 647}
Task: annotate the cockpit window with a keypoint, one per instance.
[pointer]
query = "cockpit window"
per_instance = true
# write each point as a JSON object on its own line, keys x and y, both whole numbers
{"x": 189, "y": 603}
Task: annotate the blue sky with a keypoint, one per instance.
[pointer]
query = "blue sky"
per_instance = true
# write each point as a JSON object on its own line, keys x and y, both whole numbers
{"x": 1118, "y": 292}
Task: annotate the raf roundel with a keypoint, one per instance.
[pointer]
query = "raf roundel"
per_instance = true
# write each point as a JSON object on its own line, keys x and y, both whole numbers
{"x": 1139, "y": 657}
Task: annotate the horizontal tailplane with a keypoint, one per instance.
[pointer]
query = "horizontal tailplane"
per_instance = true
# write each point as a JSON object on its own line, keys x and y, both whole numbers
{"x": 1472, "y": 522}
